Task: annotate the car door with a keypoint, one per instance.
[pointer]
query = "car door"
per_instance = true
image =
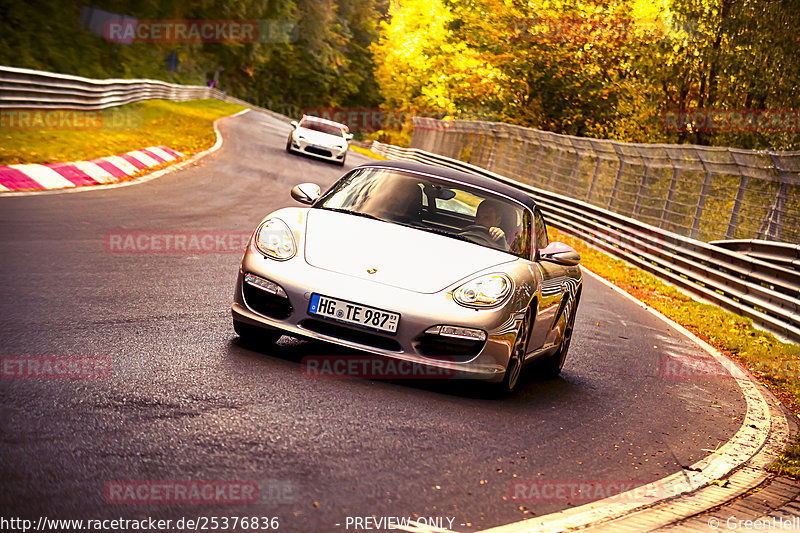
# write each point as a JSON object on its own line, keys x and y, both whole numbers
{"x": 550, "y": 291}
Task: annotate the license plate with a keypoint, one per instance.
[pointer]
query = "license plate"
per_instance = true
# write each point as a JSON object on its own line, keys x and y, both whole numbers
{"x": 352, "y": 313}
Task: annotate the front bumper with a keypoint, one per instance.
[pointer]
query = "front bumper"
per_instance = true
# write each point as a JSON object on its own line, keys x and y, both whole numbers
{"x": 330, "y": 153}
{"x": 418, "y": 311}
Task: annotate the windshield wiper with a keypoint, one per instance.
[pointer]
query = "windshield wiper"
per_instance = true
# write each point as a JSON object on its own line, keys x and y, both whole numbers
{"x": 356, "y": 213}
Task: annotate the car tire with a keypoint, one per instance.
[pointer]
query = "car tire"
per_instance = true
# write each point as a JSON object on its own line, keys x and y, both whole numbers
{"x": 289, "y": 145}
{"x": 513, "y": 374}
{"x": 251, "y": 333}
{"x": 550, "y": 367}
{"x": 341, "y": 163}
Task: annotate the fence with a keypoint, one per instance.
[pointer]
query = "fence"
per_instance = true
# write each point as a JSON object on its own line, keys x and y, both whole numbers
{"x": 749, "y": 286}
{"x": 705, "y": 193}
{"x": 34, "y": 89}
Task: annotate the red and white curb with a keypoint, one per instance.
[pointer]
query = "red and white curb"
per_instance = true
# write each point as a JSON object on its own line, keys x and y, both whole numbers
{"x": 115, "y": 184}
{"x": 112, "y": 169}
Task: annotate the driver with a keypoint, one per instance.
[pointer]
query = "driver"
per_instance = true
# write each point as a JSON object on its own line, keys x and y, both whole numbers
{"x": 489, "y": 215}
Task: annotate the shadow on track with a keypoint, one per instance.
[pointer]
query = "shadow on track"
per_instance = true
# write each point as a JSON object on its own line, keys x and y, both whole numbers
{"x": 294, "y": 350}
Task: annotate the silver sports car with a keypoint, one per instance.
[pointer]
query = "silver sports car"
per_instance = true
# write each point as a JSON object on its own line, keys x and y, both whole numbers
{"x": 418, "y": 263}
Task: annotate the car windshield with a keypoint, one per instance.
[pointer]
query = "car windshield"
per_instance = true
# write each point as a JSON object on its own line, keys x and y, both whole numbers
{"x": 439, "y": 206}
{"x": 323, "y": 127}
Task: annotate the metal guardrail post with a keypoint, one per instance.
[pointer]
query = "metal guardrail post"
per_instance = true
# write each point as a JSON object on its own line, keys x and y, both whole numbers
{"x": 594, "y": 178}
{"x": 479, "y": 144}
{"x": 510, "y": 148}
{"x": 620, "y": 169}
{"x": 538, "y": 161}
{"x": 701, "y": 200}
{"x": 670, "y": 194}
{"x": 737, "y": 204}
{"x": 558, "y": 158}
{"x": 449, "y": 144}
{"x": 772, "y": 222}
{"x": 573, "y": 177}
{"x": 507, "y": 160}
{"x": 637, "y": 206}
{"x": 487, "y": 145}
{"x": 495, "y": 138}
{"x": 474, "y": 147}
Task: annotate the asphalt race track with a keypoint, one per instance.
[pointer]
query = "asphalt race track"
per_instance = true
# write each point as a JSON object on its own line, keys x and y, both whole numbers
{"x": 186, "y": 400}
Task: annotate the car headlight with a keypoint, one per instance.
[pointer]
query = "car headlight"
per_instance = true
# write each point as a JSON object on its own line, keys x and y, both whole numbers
{"x": 275, "y": 240}
{"x": 339, "y": 147}
{"x": 300, "y": 137}
{"x": 486, "y": 291}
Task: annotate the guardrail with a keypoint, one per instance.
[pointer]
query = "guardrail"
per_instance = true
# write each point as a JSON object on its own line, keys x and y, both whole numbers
{"x": 780, "y": 253}
{"x": 768, "y": 294}
{"x": 35, "y": 89}
{"x": 25, "y": 88}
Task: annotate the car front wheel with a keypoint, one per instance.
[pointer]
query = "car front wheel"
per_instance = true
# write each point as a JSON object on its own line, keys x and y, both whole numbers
{"x": 513, "y": 373}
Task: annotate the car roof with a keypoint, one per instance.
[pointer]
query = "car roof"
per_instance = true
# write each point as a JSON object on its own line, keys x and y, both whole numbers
{"x": 457, "y": 175}
{"x": 325, "y": 121}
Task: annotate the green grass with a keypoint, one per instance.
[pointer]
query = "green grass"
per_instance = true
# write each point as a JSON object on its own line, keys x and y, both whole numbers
{"x": 776, "y": 364}
{"x": 182, "y": 126}
{"x": 788, "y": 464}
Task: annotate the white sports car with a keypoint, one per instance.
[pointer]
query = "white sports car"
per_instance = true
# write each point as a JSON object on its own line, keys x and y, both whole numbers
{"x": 320, "y": 138}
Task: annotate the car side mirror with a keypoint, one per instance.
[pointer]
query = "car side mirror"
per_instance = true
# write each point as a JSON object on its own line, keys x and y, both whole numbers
{"x": 559, "y": 253}
{"x": 348, "y": 136}
{"x": 306, "y": 193}
{"x": 293, "y": 123}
